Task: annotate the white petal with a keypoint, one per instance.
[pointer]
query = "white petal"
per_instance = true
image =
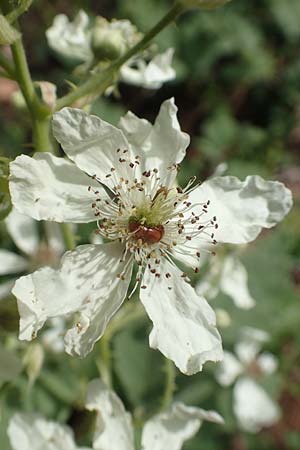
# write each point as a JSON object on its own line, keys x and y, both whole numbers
{"x": 12, "y": 263}
{"x": 49, "y": 188}
{"x": 183, "y": 323}
{"x": 253, "y": 407}
{"x": 160, "y": 146}
{"x": 71, "y": 39}
{"x": 114, "y": 430}
{"x": 267, "y": 363}
{"x": 24, "y": 231}
{"x": 33, "y": 432}
{"x": 150, "y": 75}
{"x": 101, "y": 297}
{"x": 234, "y": 283}
{"x": 243, "y": 208}
{"x": 172, "y": 428}
{"x": 86, "y": 283}
{"x": 250, "y": 344}
{"x": 228, "y": 369}
{"x": 92, "y": 143}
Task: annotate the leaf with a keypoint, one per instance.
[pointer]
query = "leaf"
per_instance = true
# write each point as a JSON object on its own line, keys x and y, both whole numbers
{"x": 134, "y": 361}
{"x": 8, "y": 34}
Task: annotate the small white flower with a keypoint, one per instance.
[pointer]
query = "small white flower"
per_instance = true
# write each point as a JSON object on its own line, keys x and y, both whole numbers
{"x": 33, "y": 432}
{"x": 252, "y": 405}
{"x": 227, "y": 274}
{"x": 130, "y": 192}
{"x": 113, "y": 428}
{"x": 109, "y": 40}
{"x": 169, "y": 429}
{"x": 71, "y": 39}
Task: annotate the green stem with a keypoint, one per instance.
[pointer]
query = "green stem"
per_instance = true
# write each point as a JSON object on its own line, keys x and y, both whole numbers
{"x": 7, "y": 66}
{"x": 170, "y": 384}
{"x": 105, "y": 363}
{"x": 68, "y": 236}
{"x": 13, "y": 15}
{"x": 39, "y": 113}
{"x": 98, "y": 83}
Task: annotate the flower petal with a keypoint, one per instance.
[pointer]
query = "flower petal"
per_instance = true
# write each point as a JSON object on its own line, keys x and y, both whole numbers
{"x": 12, "y": 263}
{"x": 250, "y": 344}
{"x": 172, "y": 428}
{"x": 228, "y": 369}
{"x": 86, "y": 282}
{"x": 267, "y": 363}
{"x": 93, "y": 144}
{"x": 49, "y": 188}
{"x": 24, "y": 231}
{"x": 114, "y": 430}
{"x": 253, "y": 407}
{"x": 150, "y": 75}
{"x": 161, "y": 145}
{"x": 234, "y": 283}
{"x": 101, "y": 298}
{"x": 71, "y": 39}
{"x": 184, "y": 327}
{"x": 33, "y": 432}
{"x": 243, "y": 208}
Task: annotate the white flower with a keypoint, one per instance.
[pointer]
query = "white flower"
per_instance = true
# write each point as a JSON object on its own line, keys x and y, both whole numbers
{"x": 227, "y": 274}
{"x": 113, "y": 428}
{"x": 24, "y": 232}
{"x": 33, "y": 432}
{"x": 130, "y": 191}
{"x": 169, "y": 429}
{"x": 109, "y": 40}
{"x": 71, "y": 39}
{"x": 252, "y": 405}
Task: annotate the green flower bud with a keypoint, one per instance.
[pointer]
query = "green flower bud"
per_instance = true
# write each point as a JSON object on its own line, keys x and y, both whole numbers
{"x": 204, "y": 4}
{"x": 108, "y": 42}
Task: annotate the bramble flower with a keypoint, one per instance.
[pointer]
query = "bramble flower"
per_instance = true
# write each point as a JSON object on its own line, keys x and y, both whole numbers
{"x": 106, "y": 41}
{"x": 125, "y": 180}
{"x": 113, "y": 427}
{"x": 227, "y": 274}
{"x": 32, "y": 432}
{"x": 24, "y": 232}
{"x": 252, "y": 405}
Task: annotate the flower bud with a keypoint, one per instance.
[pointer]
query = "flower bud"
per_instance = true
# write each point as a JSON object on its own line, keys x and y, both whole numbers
{"x": 108, "y": 42}
{"x": 203, "y": 4}
{"x": 33, "y": 360}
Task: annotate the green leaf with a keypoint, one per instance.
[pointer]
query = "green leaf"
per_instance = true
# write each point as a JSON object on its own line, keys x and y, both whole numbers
{"x": 8, "y": 34}
{"x": 134, "y": 361}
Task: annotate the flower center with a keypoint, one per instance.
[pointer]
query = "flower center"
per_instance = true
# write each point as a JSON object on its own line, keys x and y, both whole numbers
{"x": 148, "y": 235}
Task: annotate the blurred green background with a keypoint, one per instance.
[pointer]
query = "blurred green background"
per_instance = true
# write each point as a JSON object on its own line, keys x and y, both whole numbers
{"x": 238, "y": 93}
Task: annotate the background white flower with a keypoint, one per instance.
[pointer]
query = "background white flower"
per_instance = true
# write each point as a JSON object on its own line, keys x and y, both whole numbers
{"x": 229, "y": 275}
{"x": 169, "y": 429}
{"x": 113, "y": 428}
{"x": 130, "y": 188}
{"x": 253, "y": 407}
{"x": 79, "y": 41}
{"x": 32, "y": 432}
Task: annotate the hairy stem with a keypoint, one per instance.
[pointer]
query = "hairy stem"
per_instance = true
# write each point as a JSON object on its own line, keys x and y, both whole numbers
{"x": 170, "y": 386}
{"x": 68, "y": 236}
{"x": 99, "y": 82}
